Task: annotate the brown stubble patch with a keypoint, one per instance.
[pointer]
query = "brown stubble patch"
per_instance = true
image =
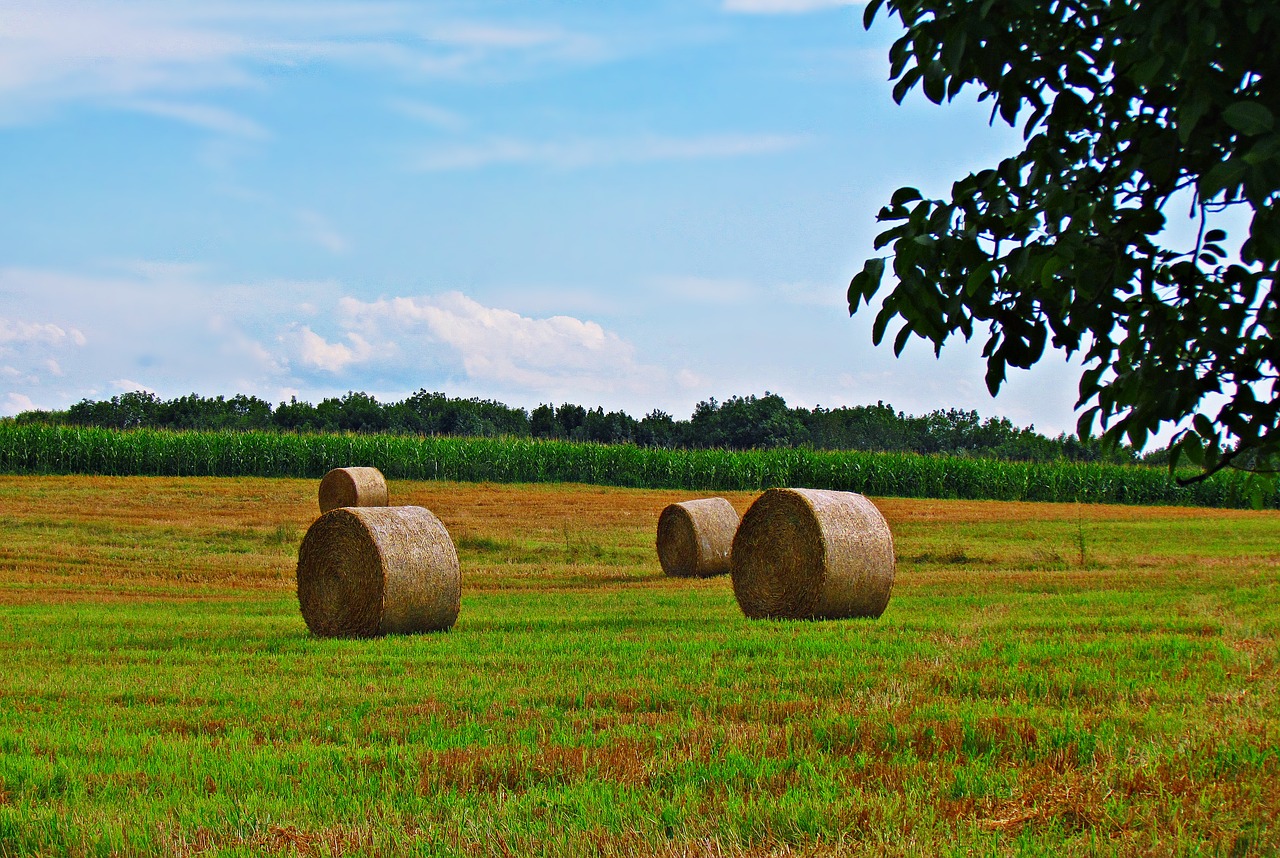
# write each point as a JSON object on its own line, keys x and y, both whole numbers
{"x": 70, "y": 538}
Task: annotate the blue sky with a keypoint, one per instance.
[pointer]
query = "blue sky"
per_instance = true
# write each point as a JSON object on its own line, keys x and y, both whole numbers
{"x": 631, "y": 205}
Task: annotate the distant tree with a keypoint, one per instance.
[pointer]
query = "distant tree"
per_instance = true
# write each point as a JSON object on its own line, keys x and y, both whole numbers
{"x": 615, "y": 427}
{"x": 542, "y": 421}
{"x": 39, "y": 416}
{"x": 861, "y": 427}
{"x": 131, "y": 410}
{"x": 746, "y": 423}
{"x": 1126, "y": 107}
{"x": 569, "y": 419}
{"x": 296, "y": 416}
{"x": 658, "y": 429}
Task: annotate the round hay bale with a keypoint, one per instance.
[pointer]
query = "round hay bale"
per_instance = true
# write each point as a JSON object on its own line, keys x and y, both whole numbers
{"x": 368, "y": 571}
{"x": 812, "y": 554}
{"x": 352, "y": 487}
{"x": 695, "y": 536}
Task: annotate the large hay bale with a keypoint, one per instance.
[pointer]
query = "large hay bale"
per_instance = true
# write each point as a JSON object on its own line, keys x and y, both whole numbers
{"x": 695, "y": 537}
{"x": 352, "y": 487}
{"x": 367, "y": 571}
{"x": 812, "y": 554}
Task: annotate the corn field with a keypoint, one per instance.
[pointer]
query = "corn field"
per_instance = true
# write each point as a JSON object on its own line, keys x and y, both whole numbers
{"x": 146, "y": 452}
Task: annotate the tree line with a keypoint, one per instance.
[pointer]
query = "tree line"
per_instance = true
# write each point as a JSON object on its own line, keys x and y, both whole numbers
{"x": 738, "y": 423}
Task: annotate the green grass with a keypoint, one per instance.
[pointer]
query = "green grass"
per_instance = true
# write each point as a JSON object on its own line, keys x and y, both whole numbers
{"x": 544, "y": 725}
{"x": 68, "y": 450}
{"x": 586, "y": 705}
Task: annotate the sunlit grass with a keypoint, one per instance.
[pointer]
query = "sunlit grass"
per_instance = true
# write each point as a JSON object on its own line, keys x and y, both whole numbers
{"x": 585, "y": 704}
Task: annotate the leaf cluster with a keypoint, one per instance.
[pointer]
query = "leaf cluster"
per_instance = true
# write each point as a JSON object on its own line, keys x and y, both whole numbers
{"x": 1126, "y": 108}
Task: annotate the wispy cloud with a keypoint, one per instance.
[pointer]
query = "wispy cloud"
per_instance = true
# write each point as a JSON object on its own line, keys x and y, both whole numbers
{"x": 785, "y": 7}
{"x": 317, "y": 228}
{"x": 578, "y": 154}
{"x": 128, "y": 385}
{"x": 15, "y": 403}
{"x": 726, "y": 291}
{"x": 429, "y": 114}
{"x": 203, "y": 116}
{"x": 154, "y": 56}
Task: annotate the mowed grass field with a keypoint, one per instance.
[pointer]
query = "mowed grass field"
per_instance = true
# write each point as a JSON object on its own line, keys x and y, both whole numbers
{"x": 1048, "y": 679}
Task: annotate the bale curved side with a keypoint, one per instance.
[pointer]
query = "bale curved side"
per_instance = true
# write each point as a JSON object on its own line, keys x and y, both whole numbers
{"x": 812, "y": 554}
{"x": 369, "y": 571}
{"x": 352, "y": 487}
{"x": 695, "y": 537}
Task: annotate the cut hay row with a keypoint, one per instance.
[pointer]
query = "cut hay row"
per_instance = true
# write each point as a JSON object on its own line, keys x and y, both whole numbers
{"x": 67, "y": 450}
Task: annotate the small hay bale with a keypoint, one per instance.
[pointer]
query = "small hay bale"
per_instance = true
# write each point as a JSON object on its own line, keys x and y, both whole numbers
{"x": 695, "y": 536}
{"x": 812, "y": 554}
{"x": 352, "y": 487}
{"x": 368, "y": 571}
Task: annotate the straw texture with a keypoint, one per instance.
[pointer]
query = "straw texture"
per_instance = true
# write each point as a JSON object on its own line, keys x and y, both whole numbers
{"x": 352, "y": 487}
{"x": 368, "y": 571}
{"x": 812, "y": 554}
{"x": 695, "y": 537}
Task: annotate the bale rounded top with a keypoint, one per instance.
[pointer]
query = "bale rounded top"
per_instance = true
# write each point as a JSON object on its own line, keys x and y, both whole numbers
{"x": 696, "y": 536}
{"x": 813, "y": 554}
{"x": 352, "y": 487}
{"x": 367, "y": 571}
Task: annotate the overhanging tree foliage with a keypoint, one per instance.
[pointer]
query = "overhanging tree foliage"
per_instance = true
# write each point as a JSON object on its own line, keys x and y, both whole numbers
{"x": 1130, "y": 110}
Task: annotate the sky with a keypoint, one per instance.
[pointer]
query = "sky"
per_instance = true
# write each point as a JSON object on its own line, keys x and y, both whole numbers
{"x": 628, "y": 205}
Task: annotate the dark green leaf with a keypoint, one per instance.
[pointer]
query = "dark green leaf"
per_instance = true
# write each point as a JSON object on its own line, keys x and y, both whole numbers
{"x": 902, "y": 196}
{"x": 1249, "y": 117}
{"x": 869, "y": 13}
{"x": 935, "y": 83}
{"x": 1191, "y": 447}
{"x": 900, "y": 342}
{"x": 865, "y": 283}
{"x": 1066, "y": 238}
{"x": 1222, "y": 176}
{"x": 1051, "y": 267}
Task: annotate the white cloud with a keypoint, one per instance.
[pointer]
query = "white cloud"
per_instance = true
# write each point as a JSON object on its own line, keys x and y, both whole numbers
{"x": 125, "y": 385}
{"x": 18, "y": 333}
{"x": 785, "y": 7}
{"x": 502, "y": 347}
{"x": 690, "y": 380}
{"x": 316, "y": 352}
{"x": 15, "y": 403}
{"x": 589, "y": 153}
{"x": 169, "y": 324}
